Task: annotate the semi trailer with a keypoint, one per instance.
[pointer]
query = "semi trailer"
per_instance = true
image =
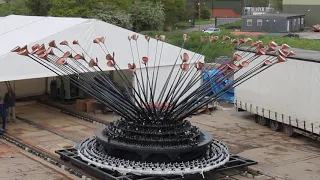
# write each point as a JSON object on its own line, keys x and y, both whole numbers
{"x": 287, "y": 97}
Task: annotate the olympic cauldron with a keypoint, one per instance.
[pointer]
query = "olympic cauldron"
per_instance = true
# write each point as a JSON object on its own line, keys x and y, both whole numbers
{"x": 153, "y": 135}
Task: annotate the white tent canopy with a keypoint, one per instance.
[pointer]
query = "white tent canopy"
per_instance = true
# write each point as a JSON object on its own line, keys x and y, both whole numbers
{"x": 29, "y": 30}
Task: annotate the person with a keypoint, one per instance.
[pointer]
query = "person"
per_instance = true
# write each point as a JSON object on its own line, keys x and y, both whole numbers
{"x": 10, "y": 99}
{"x": 3, "y": 114}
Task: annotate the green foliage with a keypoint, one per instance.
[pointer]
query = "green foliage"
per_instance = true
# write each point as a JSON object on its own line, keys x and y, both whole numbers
{"x": 69, "y": 8}
{"x": 147, "y": 15}
{"x": 174, "y": 9}
{"x": 277, "y": 4}
{"x": 17, "y": 7}
{"x": 109, "y": 14}
{"x": 38, "y": 7}
{"x": 214, "y": 50}
{"x": 205, "y": 14}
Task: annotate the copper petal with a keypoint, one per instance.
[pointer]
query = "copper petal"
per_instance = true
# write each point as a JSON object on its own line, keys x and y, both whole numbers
{"x": 52, "y": 44}
{"x": 135, "y": 37}
{"x": 281, "y": 59}
{"x": 247, "y": 40}
{"x": 260, "y": 45}
{"x": 23, "y": 52}
{"x": 285, "y": 51}
{"x": 272, "y": 43}
{"x": 186, "y": 37}
{"x": 271, "y": 48}
{"x": 261, "y": 52}
{"x": 235, "y": 41}
{"x": 67, "y": 54}
{"x": 184, "y": 66}
{"x": 102, "y": 39}
{"x": 25, "y": 47}
{"x": 232, "y": 66}
{"x": 109, "y": 57}
{"x": 96, "y": 40}
{"x": 185, "y": 57}
{"x": 291, "y": 53}
{"x": 285, "y": 46}
{"x": 39, "y": 52}
{"x": 50, "y": 51}
{"x": 78, "y": 57}
{"x": 241, "y": 41}
{"x": 43, "y": 56}
{"x": 132, "y": 67}
{"x": 111, "y": 63}
{"x": 236, "y": 57}
{"x": 244, "y": 64}
{"x": 147, "y": 37}
{"x": 61, "y": 61}
{"x": 92, "y": 63}
{"x": 203, "y": 38}
{"x": 145, "y": 59}
{"x": 225, "y": 38}
{"x": 34, "y": 47}
{"x": 16, "y": 49}
{"x": 282, "y": 53}
{"x": 75, "y": 42}
{"x": 200, "y": 65}
{"x": 162, "y": 37}
{"x": 268, "y": 62}
{"x": 64, "y": 43}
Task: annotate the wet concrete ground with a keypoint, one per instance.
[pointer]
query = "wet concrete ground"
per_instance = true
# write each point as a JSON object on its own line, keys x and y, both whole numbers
{"x": 16, "y": 164}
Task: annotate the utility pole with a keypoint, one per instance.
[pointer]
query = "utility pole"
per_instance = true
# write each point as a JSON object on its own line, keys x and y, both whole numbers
{"x": 199, "y": 3}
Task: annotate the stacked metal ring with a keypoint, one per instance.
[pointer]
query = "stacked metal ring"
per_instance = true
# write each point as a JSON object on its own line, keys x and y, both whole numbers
{"x": 93, "y": 153}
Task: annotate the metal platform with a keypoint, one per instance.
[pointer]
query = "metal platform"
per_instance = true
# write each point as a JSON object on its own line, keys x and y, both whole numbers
{"x": 235, "y": 163}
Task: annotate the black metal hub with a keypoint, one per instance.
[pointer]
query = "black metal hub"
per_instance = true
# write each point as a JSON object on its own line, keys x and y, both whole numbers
{"x": 179, "y": 141}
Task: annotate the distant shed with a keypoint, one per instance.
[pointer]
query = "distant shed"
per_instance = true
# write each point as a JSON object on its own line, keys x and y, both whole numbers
{"x": 273, "y": 23}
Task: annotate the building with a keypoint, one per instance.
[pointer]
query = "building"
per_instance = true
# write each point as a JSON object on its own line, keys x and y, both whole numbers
{"x": 29, "y": 30}
{"x": 229, "y": 8}
{"x": 308, "y": 7}
{"x": 273, "y": 23}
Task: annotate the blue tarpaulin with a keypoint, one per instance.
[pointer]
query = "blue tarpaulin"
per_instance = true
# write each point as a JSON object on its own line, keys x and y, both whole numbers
{"x": 217, "y": 86}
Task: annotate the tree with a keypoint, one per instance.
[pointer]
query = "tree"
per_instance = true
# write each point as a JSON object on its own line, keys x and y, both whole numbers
{"x": 109, "y": 14}
{"x": 69, "y": 8}
{"x": 147, "y": 15}
{"x": 205, "y": 14}
{"x": 38, "y": 7}
{"x": 174, "y": 9}
{"x": 277, "y": 5}
{"x": 17, "y": 7}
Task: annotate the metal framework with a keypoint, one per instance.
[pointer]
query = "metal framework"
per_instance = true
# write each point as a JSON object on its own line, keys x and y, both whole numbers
{"x": 153, "y": 136}
{"x": 71, "y": 155}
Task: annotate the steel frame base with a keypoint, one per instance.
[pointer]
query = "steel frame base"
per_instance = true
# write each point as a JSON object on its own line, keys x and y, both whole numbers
{"x": 71, "y": 155}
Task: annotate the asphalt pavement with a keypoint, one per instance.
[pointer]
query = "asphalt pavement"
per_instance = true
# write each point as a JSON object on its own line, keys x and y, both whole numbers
{"x": 220, "y": 21}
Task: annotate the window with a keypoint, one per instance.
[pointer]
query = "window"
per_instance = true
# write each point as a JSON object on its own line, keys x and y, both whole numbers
{"x": 302, "y": 20}
{"x": 259, "y": 22}
{"x": 298, "y": 21}
{"x": 249, "y": 22}
{"x": 294, "y": 22}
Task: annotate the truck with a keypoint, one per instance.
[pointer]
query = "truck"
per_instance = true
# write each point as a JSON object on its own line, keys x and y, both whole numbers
{"x": 286, "y": 96}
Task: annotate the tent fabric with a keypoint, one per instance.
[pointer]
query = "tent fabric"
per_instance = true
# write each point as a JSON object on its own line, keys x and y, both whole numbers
{"x": 216, "y": 87}
{"x": 29, "y": 30}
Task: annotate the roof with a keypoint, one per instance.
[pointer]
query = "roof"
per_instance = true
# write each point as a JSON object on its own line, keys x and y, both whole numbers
{"x": 272, "y": 15}
{"x": 301, "y": 54}
{"x": 28, "y": 30}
